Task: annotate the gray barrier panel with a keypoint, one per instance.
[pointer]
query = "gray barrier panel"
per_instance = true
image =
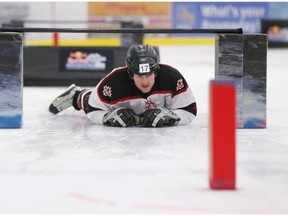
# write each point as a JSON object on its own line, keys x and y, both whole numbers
{"x": 11, "y": 81}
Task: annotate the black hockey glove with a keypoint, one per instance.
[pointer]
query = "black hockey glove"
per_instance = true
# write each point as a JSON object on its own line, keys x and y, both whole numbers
{"x": 120, "y": 117}
{"x": 159, "y": 117}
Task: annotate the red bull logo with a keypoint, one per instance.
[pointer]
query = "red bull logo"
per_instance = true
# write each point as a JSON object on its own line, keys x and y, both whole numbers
{"x": 82, "y": 60}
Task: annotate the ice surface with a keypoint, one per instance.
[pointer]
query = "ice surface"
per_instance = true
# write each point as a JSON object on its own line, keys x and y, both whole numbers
{"x": 64, "y": 164}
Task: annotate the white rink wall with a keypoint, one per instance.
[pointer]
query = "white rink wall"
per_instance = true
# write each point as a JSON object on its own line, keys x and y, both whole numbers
{"x": 47, "y": 11}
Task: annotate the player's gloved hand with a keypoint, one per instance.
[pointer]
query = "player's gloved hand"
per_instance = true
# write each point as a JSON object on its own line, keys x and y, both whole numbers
{"x": 159, "y": 117}
{"x": 120, "y": 117}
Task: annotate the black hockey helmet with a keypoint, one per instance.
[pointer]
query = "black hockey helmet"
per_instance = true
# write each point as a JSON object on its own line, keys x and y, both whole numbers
{"x": 142, "y": 60}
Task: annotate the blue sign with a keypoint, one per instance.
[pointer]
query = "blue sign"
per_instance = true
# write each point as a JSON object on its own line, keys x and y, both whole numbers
{"x": 220, "y": 15}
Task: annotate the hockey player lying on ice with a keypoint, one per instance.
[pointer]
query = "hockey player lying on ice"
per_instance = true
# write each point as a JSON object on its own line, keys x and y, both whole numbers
{"x": 143, "y": 93}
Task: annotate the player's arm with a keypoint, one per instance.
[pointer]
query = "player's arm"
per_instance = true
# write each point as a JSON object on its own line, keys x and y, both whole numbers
{"x": 183, "y": 102}
{"x": 99, "y": 112}
{"x": 159, "y": 117}
{"x": 120, "y": 117}
{"x": 187, "y": 114}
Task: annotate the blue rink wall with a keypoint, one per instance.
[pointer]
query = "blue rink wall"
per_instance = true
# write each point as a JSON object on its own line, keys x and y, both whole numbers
{"x": 11, "y": 81}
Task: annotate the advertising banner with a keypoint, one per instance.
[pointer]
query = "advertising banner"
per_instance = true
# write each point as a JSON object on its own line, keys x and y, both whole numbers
{"x": 85, "y": 59}
{"x": 149, "y": 14}
{"x": 221, "y": 15}
{"x": 277, "y": 32}
{"x": 129, "y": 8}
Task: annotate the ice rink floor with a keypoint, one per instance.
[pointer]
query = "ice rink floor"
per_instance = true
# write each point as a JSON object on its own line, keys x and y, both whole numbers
{"x": 64, "y": 164}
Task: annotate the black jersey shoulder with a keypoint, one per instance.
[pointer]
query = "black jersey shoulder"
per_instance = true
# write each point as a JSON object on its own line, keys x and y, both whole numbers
{"x": 116, "y": 86}
{"x": 170, "y": 79}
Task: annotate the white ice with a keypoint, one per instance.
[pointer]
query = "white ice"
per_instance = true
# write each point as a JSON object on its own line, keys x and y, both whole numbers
{"x": 64, "y": 164}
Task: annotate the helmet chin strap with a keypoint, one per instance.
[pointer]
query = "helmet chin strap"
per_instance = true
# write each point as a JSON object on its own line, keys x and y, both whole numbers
{"x": 131, "y": 74}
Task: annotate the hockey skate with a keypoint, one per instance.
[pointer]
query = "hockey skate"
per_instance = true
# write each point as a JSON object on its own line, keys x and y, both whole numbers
{"x": 65, "y": 100}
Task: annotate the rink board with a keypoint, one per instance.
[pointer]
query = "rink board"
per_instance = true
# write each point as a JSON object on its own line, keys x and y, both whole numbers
{"x": 11, "y": 82}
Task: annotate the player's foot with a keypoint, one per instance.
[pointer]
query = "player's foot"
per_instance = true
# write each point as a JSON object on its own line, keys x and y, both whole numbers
{"x": 65, "y": 100}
